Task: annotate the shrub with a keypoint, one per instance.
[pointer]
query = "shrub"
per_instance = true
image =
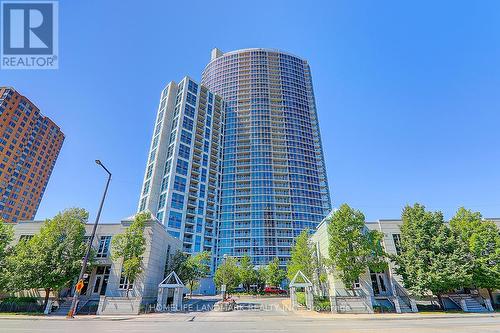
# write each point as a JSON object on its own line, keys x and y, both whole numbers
{"x": 17, "y": 300}
{"x": 20, "y": 304}
{"x": 322, "y": 303}
{"x": 301, "y": 297}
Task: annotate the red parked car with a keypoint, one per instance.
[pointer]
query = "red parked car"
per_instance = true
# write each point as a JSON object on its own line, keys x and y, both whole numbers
{"x": 275, "y": 290}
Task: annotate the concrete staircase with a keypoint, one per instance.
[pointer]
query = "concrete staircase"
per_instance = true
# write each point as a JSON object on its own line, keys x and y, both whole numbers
{"x": 405, "y": 308}
{"x": 66, "y": 304}
{"x": 468, "y": 303}
{"x": 63, "y": 307}
{"x": 351, "y": 305}
{"x": 406, "y": 303}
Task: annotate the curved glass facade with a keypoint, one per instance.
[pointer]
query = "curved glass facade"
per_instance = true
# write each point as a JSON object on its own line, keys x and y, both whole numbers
{"x": 274, "y": 182}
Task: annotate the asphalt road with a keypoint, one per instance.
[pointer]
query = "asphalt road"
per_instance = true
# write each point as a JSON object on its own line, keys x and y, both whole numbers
{"x": 264, "y": 316}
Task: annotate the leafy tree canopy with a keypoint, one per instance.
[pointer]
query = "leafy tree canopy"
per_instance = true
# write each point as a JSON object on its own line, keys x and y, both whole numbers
{"x": 52, "y": 258}
{"x": 352, "y": 247}
{"x": 432, "y": 257}
{"x": 6, "y": 234}
{"x": 228, "y": 273}
{"x": 247, "y": 272}
{"x": 482, "y": 239}
{"x": 130, "y": 246}
{"x": 195, "y": 268}
{"x": 274, "y": 273}
{"x": 302, "y": 257}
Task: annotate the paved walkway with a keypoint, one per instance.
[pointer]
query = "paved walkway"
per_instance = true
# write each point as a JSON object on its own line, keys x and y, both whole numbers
{"x": 250, "y": 309}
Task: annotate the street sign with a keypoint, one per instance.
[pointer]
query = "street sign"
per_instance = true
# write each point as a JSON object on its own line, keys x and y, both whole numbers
{"x": 79, "y": 286}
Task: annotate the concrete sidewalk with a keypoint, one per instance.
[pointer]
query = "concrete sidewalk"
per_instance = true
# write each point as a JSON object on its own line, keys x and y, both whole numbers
{"x": 249, "y": 316}
{"x": 396, "y": 316}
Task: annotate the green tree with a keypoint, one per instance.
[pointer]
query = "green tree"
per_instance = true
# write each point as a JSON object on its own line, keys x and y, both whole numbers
{"x": 177, "y": 264}
{"x": 196, "y": 267}
{"x": 432, "y": 257}
{"x": 52, "y": 258}
{"x": 130, "y": 246}
{"x": 482, "y": 239}
{"x": 228, "y": 273}
{"x": 302, "y": 257}
{"x": 261, "y": 277}
{"x": 352, "y": 247}
{"x": 274, "y": 273}
{"x": 248, "y": 275}
{"x": 6, "y": 234}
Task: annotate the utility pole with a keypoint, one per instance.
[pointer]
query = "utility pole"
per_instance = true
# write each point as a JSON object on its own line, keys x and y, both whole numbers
{"x": 89, "y": 247}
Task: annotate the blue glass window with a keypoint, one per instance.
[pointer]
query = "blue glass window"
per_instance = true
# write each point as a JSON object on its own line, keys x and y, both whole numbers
{"x": 180, "y": 184}
{"x": 161, "y": 202}
{"x": 175, "y": 234}
{"x": 197, "y": 244}
{"x": 175, "y": 220}
{"x": 201, "y": 207}
{"x": 189, "y": 111}
{"x": 191, "y": 99}
{"x": 164, "y": 184}
{"x": 159, "y": 216}
{"x": 177, "y": 201}
{"x": 186, "y": 137}
{"x": 192, "y": 87}
{"x": 187, "y": 124}
{"x": 184, "y": 151}
{"x": 182, "y": 167}
{"x": 199, "y": 224}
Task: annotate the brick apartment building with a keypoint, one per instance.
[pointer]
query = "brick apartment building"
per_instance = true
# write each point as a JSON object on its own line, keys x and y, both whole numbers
{"x": 29, "y": 146}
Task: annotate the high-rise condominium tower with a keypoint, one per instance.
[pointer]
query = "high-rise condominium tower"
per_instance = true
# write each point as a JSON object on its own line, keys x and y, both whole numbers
{"x": 181, "y": 182}
{"x": 29, "y": 146}
{"x": 274, "y": 182}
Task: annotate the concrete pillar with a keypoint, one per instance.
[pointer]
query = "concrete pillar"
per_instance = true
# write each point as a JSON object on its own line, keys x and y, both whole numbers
{"x": 396, "y": 304}
{"x": 177, "y": 304}
{"x": 159, "y": 301}
{"x": 293, "y": 298}
{"x": 309, "y": 298}
{"x": 487, "y": 303}
{"x": 463, "y": 305}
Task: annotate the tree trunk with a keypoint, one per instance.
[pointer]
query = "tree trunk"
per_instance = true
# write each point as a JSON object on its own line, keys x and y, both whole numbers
{"x": 440, "y": 301}
{"x": 47, "y": 292}
{"x": 127, "y": 279}
{"x": 491, "y": 296}
{"x": 191, "y": 285}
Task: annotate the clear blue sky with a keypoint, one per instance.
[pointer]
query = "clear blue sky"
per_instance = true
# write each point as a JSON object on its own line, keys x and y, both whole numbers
{"x": 408, "y": 93}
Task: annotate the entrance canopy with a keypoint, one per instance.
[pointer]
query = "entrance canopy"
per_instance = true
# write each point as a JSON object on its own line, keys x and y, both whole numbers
{"x": 170, "y": 293}
{"x": 171, "y": 281}
{"x": 301, "y": 281}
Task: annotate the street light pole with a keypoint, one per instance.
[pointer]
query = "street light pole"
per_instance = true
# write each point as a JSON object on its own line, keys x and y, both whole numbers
{"x": 89, "y": 247}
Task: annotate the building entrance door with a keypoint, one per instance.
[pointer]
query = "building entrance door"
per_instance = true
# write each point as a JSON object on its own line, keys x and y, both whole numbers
{"x": 101, "y": 280}
{"x": 379, "y": 284}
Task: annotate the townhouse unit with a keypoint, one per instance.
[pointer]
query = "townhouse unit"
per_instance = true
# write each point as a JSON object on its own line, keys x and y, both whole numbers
{"x": 384, "y": 289}
{"x": 105, "y": 287}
